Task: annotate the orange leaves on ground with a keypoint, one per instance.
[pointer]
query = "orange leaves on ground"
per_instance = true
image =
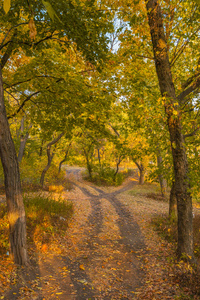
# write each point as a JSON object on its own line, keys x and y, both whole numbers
{"x": 81, "y": 267}
{"x": 44, "y": 248}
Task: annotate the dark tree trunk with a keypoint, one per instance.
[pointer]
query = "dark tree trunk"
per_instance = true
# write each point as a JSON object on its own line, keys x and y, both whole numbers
{"x": 89, "y": 165}
{"x": 99, "y": 156}
{"x": 65, "y": 158}
{"x": 16, "y": 212}
{"x": 173, "y": 111}
{"x": 89, "y": 153}
{"x": 142, "y": 172}
{"x": 50, "y": 158}
{"x": 162, "y": 181}
{"x": 117, "y": 167}
{"x": 172, "y": 201}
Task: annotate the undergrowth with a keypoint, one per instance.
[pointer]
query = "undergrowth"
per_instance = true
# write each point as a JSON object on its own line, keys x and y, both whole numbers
{"x": 106, "y": 176}
{"x": 149, "y": 190}
{"x": 46, "y": 219}
{"x": 186, "y": 275}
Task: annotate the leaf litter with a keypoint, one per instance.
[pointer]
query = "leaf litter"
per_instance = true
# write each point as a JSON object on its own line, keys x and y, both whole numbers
{"x": 93, "y": 259}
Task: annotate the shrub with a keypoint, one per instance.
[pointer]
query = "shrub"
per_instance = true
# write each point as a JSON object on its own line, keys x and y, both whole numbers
{"x": 46, "y": 218}
{"x": 106, "y": 175}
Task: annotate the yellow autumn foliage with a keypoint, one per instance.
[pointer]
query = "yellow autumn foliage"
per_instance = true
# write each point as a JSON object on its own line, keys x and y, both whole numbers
{"x": 56, "y": 188}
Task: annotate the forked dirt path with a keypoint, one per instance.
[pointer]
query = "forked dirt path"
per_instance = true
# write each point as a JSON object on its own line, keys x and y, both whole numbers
{"x": 99, "y": 258}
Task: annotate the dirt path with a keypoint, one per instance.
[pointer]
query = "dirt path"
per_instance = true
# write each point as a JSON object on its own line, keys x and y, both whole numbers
{"x": 100, "y": 256}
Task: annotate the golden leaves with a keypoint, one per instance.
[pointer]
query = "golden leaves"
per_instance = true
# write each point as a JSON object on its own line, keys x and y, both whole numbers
{"x": 13, "y": 217}
{"x": 6, "y": 5}
{"x": 161, "y": 44}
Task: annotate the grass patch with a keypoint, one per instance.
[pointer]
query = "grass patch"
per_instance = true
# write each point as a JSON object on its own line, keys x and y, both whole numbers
{"x": 185, "y": 275}
{"x": 149, "y": 190}
{"x": 47, "y": 219}
{"x": 166, "y": 228}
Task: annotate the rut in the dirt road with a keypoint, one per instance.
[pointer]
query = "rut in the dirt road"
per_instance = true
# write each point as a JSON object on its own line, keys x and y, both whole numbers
{"x": 123, "y": 251}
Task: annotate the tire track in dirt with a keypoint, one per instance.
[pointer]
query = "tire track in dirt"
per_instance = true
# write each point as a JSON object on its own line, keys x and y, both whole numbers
{"x": 126, "y": 247}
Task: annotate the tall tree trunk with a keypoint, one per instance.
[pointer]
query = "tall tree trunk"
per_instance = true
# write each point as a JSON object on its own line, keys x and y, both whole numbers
{"x": 50, "y": 158}
{"x": 16, "y": 212}
{"x": 89, "y": 153}
{"x": 142, "y": 172}
{"x": 89, "y": 165}
{"x": 172, "y": 201}
{"x": 117, "y": 167}
{"x": 162, "y": 181}
{"x": 173, "y": 111}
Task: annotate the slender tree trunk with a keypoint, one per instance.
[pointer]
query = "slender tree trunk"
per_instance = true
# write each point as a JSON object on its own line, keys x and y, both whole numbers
{"x": 117, "y": 167}
{"x": 16, "y": 212}
{"x": 50, "y": 158}
{"x": 162, "y": 181}
{"x": 172, "y": 202}
{"x": 99, "y": 156}
{"x": 142, "y": 172}
{"x": 65, "y": 158}
{"x": 173, "y": 111}
{"x": 89, "y": 153}
{"x": 89, "y": 167}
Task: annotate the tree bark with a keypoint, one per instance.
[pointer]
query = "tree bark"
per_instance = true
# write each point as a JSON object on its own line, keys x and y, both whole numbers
{"x": 14, "y": 199}
{"x": 99, "y": 156}
{"x": 142, "y": 171}
{"x": 50, "y": 158}
{"x": 173, "y": 111}
{"x": 65, "y": 158}
{"x": 117, "y": 167}
{"x": 172, "y": 202}
{"x": 89, "y": 165}
{"x": 88, "y": 155}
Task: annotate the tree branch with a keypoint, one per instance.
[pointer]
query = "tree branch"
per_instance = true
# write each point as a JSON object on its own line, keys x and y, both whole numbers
{"x": 189, "y": 90}
{"x": 55, "y": 140}
{"x": 9, "y": 50}
{"x": 192, "y": 133}
{"x": 2, "y": 44}
{"x": 180, "y": 51}
{"x": 22, "y": 105}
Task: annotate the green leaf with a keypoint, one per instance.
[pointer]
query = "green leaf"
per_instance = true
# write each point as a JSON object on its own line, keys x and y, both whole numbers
{"x": 6, "y": 5}
{"x": 49, "y": 9}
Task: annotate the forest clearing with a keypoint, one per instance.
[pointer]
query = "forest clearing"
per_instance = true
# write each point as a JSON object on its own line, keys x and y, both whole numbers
{"x": 99, "y": 149}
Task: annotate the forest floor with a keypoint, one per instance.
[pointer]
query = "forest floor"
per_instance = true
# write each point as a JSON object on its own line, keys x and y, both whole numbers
{"x": 109, "y": 251}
